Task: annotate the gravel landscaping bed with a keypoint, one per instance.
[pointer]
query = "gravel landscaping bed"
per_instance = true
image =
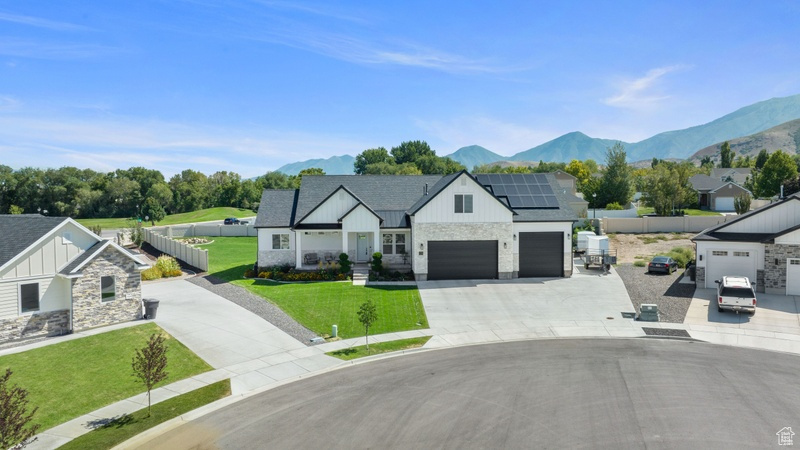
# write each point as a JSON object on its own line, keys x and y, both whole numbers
{"x": 665, "y": 332}
{"x": 256, "y": 305}
{"x": 673, "y": 299}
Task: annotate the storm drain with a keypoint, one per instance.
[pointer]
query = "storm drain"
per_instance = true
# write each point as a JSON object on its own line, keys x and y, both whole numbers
{"x": 665, "y": 332}
{"x": 628, "y": 315}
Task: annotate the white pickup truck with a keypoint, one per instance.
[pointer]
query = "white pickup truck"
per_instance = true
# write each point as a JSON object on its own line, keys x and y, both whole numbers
{"x": 736, "y": 294}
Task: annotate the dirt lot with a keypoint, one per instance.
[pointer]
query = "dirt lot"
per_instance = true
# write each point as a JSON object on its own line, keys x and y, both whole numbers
{"x": 629, "y": 246}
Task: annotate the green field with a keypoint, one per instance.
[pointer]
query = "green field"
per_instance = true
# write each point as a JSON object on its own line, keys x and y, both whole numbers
{"x": 202, "y": 215}
{"x": 123, "y": 428}
{"x": 73, "y": 378}
{"x": 689, "y": 212}
{"x": 318, "y": 305}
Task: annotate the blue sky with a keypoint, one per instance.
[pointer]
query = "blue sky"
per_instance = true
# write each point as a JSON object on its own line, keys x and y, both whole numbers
{"x": 251, "y": 85}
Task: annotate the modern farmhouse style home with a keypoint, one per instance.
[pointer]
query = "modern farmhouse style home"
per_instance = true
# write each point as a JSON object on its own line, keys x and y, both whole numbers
{"x": 56, "y": 277}
{"x": 762, "y": 245}
{"x": 457, "y": 226}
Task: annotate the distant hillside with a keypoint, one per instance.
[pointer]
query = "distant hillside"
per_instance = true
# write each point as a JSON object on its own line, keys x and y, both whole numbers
{"x": 784, "y": 137}
{"x": 474, "y": 155}
{"x": 575, "y": 145}
{"x": 742, "y": 122}
{"x": 335, "y": 165}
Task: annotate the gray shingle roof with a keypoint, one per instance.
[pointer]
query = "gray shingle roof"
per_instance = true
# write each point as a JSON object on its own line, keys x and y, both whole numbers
{"x": 720, "y": 172}
{"x": 19, "y": 231}
{"x": 276, "y": 209}
{"x": 712, "y": 233}
{"x": 394, "y": 219}
{"x": 86, "y": 255}
{"x": 701, "y": 182}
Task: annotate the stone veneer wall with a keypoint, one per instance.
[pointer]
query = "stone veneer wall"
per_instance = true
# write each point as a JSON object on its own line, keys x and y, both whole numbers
{"x": 269, "y": 258}
{"x": 775, "y": 274}
{"x": 700, "y": 276}
{"x": 89, "y": 310}
{"x": 501, "y": 232}
{"x": 50, "y": 323}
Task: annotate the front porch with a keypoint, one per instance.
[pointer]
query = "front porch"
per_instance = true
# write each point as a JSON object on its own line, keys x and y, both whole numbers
{"x": 317, "y": 249}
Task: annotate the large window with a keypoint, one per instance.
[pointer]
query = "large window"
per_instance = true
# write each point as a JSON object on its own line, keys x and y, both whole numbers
{"x": 280, "y": 242}
{"x": 463, "y": 203}
{"x": 108, "y": 291}
{"x": 394, "y": 244}
{"x": 29, "y": 297}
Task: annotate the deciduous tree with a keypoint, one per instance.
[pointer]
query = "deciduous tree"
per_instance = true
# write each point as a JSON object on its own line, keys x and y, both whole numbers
{"x": 616, "y": 185}
{"x": 150, "y": 364}
{"x": 725, "y": 155}
{"x": 779, "y": 167}
{"x": 371, "y": 156}
{"x": 367, "y": 315}
{"x": 16, "y": 427}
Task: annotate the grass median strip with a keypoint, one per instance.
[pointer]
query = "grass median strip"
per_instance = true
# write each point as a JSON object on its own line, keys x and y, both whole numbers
{"x": 127, "y": 426}
{"x": 379, "y": 347}
{"x": 75, "y": 377}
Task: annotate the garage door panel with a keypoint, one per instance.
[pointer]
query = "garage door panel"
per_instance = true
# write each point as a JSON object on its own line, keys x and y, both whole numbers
{"x": 793, "y": 276}
{"x": 541, "y": 254}
{"x": 462, "y": 260}
{"x": 725, "y": 263}
{"x": 724, "y": 204}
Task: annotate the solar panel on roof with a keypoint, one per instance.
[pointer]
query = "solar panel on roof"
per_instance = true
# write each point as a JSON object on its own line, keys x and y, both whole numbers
{"x": 535, "y": 190}
{"x": 540, "y": 178}
{"x": 518, "y": 178}
{"x": 551, "y": 201}
{"x": 505, "y": 178}
{"x": 546, "y": 189}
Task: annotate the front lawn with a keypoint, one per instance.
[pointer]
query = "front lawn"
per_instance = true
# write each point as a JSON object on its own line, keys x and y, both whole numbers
{"x": 319, "y": 305}
{"x": 129, "y": 425}
{"x": 201, "y": 215}
{"x": 689, "y": 212}
{"x": 73, "y": 378}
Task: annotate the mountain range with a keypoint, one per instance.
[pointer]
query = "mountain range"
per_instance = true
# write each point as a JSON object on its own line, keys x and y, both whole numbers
{"x": 785, "y": 136}
{"x": 742, "y": 126}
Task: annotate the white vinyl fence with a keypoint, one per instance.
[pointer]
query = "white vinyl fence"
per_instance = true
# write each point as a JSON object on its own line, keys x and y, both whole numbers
{"x": 186, "y": 253}
{"x": 193, "y": 230}
{"x": 685, "y": 224}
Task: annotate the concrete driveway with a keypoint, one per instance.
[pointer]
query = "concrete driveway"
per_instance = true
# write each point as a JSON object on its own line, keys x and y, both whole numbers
{"x": 587, "y": 303}
{"x": 774, "y": 313}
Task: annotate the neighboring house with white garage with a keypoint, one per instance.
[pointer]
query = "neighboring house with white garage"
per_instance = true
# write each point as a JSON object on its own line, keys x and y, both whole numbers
{"x": 456, "y": 226}
{"x": 715, "y": 194}
{"x": 763, "y": 245}
{"x": 56, "y": 276}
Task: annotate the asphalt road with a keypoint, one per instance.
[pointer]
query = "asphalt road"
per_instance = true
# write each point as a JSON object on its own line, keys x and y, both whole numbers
{"x": 571, "y": 393}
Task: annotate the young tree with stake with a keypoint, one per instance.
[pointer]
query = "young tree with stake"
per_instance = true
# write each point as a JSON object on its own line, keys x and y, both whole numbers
{"x": 367, "y": 315}
{"x": 150, "y": 364}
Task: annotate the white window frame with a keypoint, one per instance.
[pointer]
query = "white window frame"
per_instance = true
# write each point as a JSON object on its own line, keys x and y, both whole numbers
{"x": 38, "y": 294}
{"x": 114, "y": 284}
{"x": 460, "y": 202}
{"x": 719, "y": 253}
{"x": 741, "y": 254}
{"x": 280, "y": 241}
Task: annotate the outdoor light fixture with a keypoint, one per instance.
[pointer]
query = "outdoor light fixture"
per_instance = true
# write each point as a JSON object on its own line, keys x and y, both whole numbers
{"x": 515, "y": 237}
{"x": 420, "y": 246}
{"x": 505, "y": 244}
{"x": 701, "y": 257}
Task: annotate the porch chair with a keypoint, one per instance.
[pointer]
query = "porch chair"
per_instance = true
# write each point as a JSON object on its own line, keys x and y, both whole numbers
{"x": 328, "y": 256}
{"x": 310, "y": 258}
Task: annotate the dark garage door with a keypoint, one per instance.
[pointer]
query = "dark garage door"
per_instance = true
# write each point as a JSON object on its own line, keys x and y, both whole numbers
{"x": 462, "y": 260}
{"x": 541, "y": 254}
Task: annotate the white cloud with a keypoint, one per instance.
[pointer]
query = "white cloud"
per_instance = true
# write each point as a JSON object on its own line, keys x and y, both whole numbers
{"x": 504, "y": 138}
{"x": 106, "y": 144}
{"x": 643, "y": 92}
{"x": 41, "y": 23}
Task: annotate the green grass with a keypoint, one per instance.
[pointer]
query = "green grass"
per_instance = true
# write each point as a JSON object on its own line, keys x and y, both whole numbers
{"x": 317, "y": 306}
{"x": 73, "y": 378}
{"x": 229, "y": 257}
{"x": 202, "y": 215}
{"x": 129, "y": 425}
{"x": 379, "y": 347}
{"x": 689, "y": 212}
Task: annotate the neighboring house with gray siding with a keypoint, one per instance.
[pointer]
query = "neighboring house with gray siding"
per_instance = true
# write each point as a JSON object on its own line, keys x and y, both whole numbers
{"x": 456, "y": 226}
{"x": 763, "y": 245}
{"x": 57, "y": 277}
{"x": 716, "y": 195}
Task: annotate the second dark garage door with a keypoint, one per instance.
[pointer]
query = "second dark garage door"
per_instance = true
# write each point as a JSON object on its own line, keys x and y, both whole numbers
{"x": 462, "y": 260}
{"x": 541, "y": 254}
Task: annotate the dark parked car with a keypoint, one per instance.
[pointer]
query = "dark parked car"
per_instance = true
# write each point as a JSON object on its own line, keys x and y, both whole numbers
{"x": 662, "y": 264}
{"x": 244, "y": 222}
{"x": 231, "y": 221}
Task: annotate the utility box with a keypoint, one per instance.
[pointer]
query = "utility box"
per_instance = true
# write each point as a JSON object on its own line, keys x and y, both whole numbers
{"x": 580, "y": 247}
{"x": 648, "y": 312}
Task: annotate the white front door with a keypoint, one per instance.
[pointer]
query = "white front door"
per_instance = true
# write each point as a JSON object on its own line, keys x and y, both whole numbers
{"x": 362, "y": 247}
{"x": 793, "y": 276}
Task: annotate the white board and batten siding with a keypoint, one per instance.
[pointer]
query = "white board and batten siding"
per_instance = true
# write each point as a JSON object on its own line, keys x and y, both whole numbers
{"x": 360, "y": 219}
{"x": 332, "y": 209}
{"x": 773, "y": 220}
{"x": 51, "y": 254}
{"x": 485, "y": 207}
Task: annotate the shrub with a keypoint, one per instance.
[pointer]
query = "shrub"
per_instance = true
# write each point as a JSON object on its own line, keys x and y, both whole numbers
{"x": 681, "y": 255}
{"x": 614, "y": 207}
{"x": 168, "y": 266}
{"x": 249, "y": 273}
{"x": 639, "y": 263}
{"x": 345, "y": 263}
{"x": 377, "y": 262}
{"x": 153, "y": 273}
{"x": 265, "y": 274}
{"x": 741, "y": 203}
